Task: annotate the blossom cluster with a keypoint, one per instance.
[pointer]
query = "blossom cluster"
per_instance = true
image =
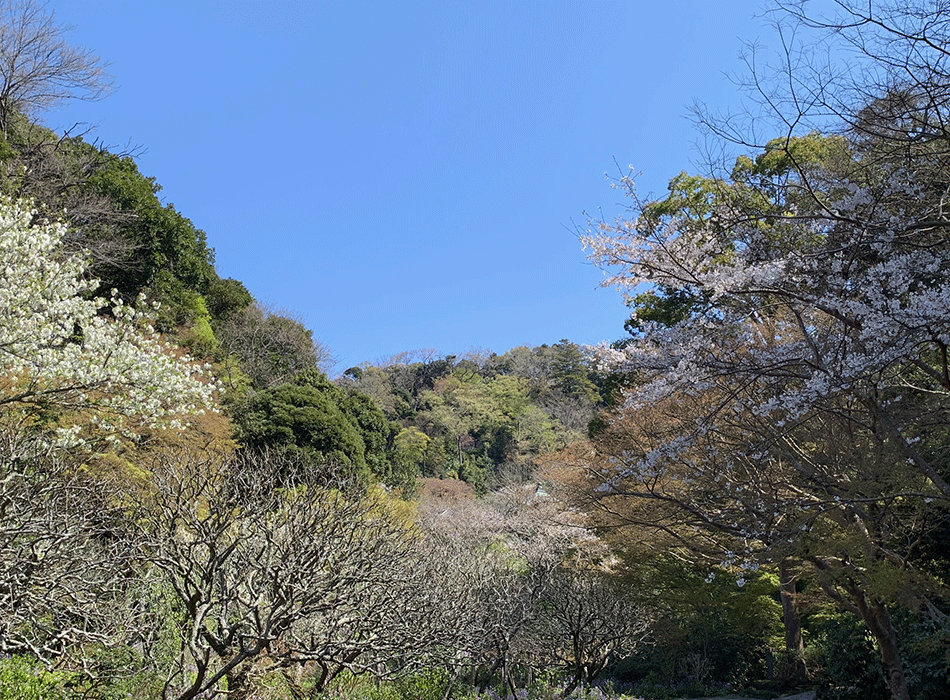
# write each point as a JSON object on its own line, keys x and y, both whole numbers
{"x": 825, "y": 310}
{"x": 804, "y": 376}
{"x": 63, "y": 348}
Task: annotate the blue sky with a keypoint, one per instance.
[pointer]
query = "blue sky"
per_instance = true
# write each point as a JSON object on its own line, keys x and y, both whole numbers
{"x": 406, "y": 175}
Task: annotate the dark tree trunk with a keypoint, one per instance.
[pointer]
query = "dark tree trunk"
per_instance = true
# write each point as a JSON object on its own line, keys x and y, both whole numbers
{"x": 880, "y": 626}
{"x": 794, "y": 644}
{"x": 878, "y": 621}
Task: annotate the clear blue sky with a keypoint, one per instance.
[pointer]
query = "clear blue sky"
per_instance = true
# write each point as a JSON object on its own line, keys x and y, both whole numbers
{"x": 406, "y": 175}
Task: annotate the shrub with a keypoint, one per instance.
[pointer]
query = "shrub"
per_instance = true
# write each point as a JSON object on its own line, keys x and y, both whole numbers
{"x": 22, "y": 678}
{"x": 428, "y": 684}
{"x": 925, "y": 649}
{"x": 850, "y": 666}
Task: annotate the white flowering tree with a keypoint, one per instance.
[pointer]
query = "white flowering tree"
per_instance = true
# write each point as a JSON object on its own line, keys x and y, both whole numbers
{"x": 75, "y": 372}
{"x": 791, "y": 329}
{"x": 75, "y": 357}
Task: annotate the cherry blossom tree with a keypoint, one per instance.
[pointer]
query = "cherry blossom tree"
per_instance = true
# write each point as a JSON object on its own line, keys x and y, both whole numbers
{"x": 789, "y": 365}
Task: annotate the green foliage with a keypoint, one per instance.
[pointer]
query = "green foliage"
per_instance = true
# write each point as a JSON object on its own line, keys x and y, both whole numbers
{"x": 6, "y": 150}
{"x": 483, "y": 417}
{"x": 925, "y": 650}
{"x": 785, "y": 155}
{"x": 709, "y": 630}
{"x": 119, "y": 673}
{"x": 475, "y": 470}
{"x": 376, "y": 434}
{"x": 428, "y": 684}
{"x": 664, "y": 306}
{"x": 321, "y": 422}
{"x": 410, "y": 447}
{"x": 133, "y": 241}
{"x": 22, "y": 678}
{"x": 691, "y": 196}
{"x": 757, "y": 196}
{"x": 163, "y": 240}
{"x": 425, "y": 684}
{"x": 51, "y": 170}
{"x": 188, "y": 313}
{"x": 570, "y": 373}
{"x": 850, "y": 666}
{"x": 226, "y": 296}
{"x": 303, "y": 419}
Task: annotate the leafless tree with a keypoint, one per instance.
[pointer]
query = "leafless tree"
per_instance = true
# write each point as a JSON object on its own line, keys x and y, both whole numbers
{"x": 38, "y": 67}
{"x": 524, "y": 604}
{"x": 38, "y": 70}
{"x": 54, "y": 171}
{"x": 495, "y": 594}
{"x": 271, "y": 346}
{"x": 66, "y": 566}
{"x": 893, "y": 84}
{"x": 277, "y": 567}
{"x": 588, "y": 621}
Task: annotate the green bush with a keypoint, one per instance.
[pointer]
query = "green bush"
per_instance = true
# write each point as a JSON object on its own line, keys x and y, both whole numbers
{"x": 428, "y": 684}
{"x": 850, "y": 665}
{"x": 925, "y": 650}
{"x": 22, "y": 678}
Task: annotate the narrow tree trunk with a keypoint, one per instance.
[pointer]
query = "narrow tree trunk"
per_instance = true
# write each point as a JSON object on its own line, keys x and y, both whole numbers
{"x": 794, "y": 644}
{"x": 571, "y": 686}
{"x": 507, "y": 680}
{"x": 293, "y": 685}
{"x": 878, "y": 622}
{"x": 880, "y": 626}
{"x": 193, "y": 690}
{"x": 577, "y": 669}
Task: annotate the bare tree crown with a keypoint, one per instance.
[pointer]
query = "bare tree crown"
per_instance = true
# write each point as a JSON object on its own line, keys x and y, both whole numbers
{"x": 38, "y": 67}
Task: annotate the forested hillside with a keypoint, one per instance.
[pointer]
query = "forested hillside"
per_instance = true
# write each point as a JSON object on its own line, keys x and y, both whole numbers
{"x": 471, "y": 419}
{"x": 749, "y": 490}
{"x": 483, "y": 419}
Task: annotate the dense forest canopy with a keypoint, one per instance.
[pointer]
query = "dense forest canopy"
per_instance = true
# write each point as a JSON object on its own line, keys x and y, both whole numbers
{"x": 751, "y": 488}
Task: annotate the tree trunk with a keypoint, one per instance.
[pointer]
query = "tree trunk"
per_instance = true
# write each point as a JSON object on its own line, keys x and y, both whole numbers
{"x": 293, "y": 685}
{"x": 571, "y": 686}
{"x": 507, "y": 679}
{"x": 577, "y": 669}
{"x": 883, "y": 630}
{"x": 878, "y": 621}
{"x": 794, "y": 644}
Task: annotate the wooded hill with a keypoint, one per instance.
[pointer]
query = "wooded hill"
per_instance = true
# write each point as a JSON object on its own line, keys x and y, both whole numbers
{"x": 756, "y": 480}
